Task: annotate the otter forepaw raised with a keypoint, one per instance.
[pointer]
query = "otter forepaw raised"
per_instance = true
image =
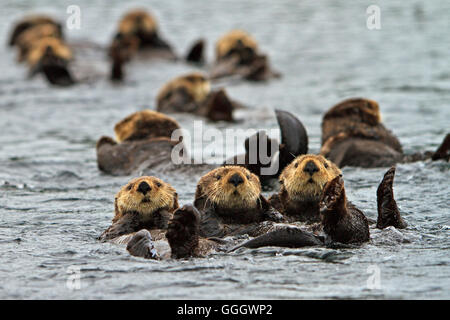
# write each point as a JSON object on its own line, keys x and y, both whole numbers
{"x": 332, "y": 193}
{"x": 141, "y": 245}
{"x": 183, "y": 231}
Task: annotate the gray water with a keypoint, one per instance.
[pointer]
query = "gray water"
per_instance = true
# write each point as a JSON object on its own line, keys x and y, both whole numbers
{"x": 54, "y": 202}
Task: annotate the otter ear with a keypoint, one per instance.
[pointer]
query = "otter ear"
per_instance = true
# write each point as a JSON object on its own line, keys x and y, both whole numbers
{"x": 294, "y": 137}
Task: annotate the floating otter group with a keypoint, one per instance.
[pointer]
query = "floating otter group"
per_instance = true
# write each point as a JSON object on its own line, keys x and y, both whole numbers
{"x": 310, "y": 208}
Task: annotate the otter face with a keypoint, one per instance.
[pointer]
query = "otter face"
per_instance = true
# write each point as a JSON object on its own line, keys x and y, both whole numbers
{"x": 305, "y": 177}
{"x": 231, "y": 187}
{"x": 145, "y": 195}
{"x": 195, "y": 84}
{"x": 236, "y": 42}
{"x": 145, "y": 124}
{"x": 137, "y": 21}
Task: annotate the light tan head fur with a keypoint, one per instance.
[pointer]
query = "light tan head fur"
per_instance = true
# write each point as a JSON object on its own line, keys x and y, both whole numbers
{"x": 195, "y": 84}
{"x": 138, "y": 20}
{"x": 231, "y": 40}
{"x": 158, "y": 195}
{"x": 304, "y": 178}
{"x": 40, "y": 46}
{"x": 230, "y": 187}
{"x": 145, "y": 124}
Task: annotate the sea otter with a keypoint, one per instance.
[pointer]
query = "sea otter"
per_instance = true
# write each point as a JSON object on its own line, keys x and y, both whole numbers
{"x": 231, "y": 203}
{"x": 340, "y": 221}
{"x": 237, "y": 54}
{"x": 143, "y": 203}
{"x": 30, "y": 22}
{"x": 144, "y": 143}
{"x": 192, "y": 93}
{"x": 40, "y": 44}
{"x": 353, "y": 135}
{"x": 142, "y": 139}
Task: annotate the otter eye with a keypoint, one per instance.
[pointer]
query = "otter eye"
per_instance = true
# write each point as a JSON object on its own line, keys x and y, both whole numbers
{"x": 326, "y": 165}
{"x": 296, "y": 165}
{"x": 129, "y": 187}
{"x": 248, "y": 177}
{"x": 158, "y": 184}
{"x": 218, "y": 177}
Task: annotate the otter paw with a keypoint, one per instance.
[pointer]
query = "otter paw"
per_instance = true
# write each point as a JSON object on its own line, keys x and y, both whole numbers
{"x": 183, "y": 231}
{"x": 141, "y": 245}
{"x": 331, "y": 194}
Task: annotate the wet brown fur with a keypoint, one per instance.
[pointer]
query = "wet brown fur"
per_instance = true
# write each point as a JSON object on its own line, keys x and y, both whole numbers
{"x": 229, "y": 209}
{"x": 352, "y": 134}
{"x": 143, "y": 125}
{"x": 341, "y": 220}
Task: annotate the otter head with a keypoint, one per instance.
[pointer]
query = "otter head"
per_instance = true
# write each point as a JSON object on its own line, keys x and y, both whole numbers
{"x": 194, "y": 84}
{"x": 358, "y": 109}
{"x": 138, "y": 22}
{"x": 145, "y": 196}
{"x": 304, "y": 178}
{"x": 143, "y": 125}
{"x": 30, "y": 22}
{"x": 26, "y": 38}
{"x": 229, "y": 187}
{"x": 237, "y": 43}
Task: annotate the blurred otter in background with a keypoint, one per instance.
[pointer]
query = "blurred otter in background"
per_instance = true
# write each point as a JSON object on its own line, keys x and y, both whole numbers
{"x": 192, "y": 93}
{"x": 138, "y": 32}
{"x": 353, "y": 135}
{"x": 29, "y": 22}
{"x": 237, "y": 54}
{"x": 40, "y": 42}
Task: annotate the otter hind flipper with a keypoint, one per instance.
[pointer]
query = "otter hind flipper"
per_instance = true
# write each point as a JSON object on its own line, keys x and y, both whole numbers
{"x": 219, "y": 107}
{"x": 196, "y": 52}
{"x": 141, "y": 245}
{"x": 294, "y": 138}
{"x": 443, "y": 152}
{"x": 388, "y": 213}
{"x": 290, "y": 237}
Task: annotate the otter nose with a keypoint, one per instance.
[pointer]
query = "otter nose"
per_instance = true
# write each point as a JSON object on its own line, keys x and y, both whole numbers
{"x": 236, "y": 179}
{"x": 144, "y": 187}
{"x": 310, "y": 167}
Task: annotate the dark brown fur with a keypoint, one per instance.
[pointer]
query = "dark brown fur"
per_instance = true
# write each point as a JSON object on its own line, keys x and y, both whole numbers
{"x": 353, "y": 135}
{"x": 341, "y": 220}
{"x": 388, "y": 213}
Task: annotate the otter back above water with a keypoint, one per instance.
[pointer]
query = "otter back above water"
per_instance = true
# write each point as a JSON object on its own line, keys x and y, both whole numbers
{"x": 54, "y": 201}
